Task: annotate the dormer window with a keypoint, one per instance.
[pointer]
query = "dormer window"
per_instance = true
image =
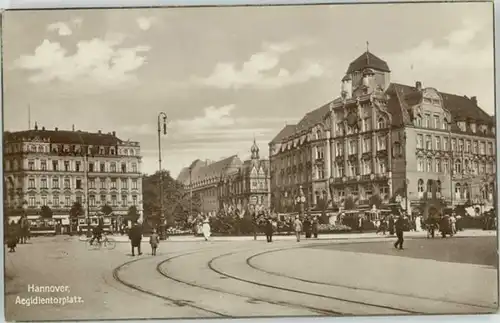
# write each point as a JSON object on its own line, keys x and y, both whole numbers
{"x": 473, "y": 127}
{"x": 461, "y": 125}
{"x": 445, "y": 124}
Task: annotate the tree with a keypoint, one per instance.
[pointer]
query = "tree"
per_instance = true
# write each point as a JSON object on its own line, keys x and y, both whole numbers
{"x": 106, "y": 209}
{"x": 46, "y": 212}
{"x": 349, "y": 203}
{"x": 176, "y": 199}
{"x": 133, "y": 214}
{"x": 76, "y": 210}
{"x": 375, "y": 200}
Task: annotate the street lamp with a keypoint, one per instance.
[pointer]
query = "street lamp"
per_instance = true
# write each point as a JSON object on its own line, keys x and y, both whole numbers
{"x": 162, "y": 125}
{"x": 301, "y": 200}
{"x": 330, "y": 187}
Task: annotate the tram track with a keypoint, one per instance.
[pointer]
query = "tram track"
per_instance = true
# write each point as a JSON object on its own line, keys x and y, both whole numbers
{"x": 253, "y": 266}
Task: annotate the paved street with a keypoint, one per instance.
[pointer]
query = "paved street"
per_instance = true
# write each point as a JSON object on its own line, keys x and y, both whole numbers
{"x": 359, "y": 276}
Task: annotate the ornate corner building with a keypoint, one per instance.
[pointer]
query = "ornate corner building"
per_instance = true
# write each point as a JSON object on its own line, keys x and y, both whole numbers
{"x": 57, "y": 168}
{"x": 387, "y": 139}
{"x": 229, "y": 183}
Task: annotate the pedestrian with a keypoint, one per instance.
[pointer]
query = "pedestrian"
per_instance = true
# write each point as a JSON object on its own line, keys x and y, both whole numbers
{"x": 382, "y": 227}
{"x": 307, "y": 227}
{"x": 391, "y": 225}
{"x": 298, "y": 227}
{"x": 135, "y": 236}
{"x": 206, "y": 228}
{"x": 360, "y": 224}
{"x": 453, "y": 221}
{"x": 154, "y": 241}
{"x": 12, "y": 237}
{"x": 315, "y": 225}
{"x": 400, "y": 225}
{"x": 269, "y": 230}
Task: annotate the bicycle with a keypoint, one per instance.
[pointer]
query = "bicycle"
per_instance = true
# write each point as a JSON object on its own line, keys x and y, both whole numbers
{"x": 108, "y": 243}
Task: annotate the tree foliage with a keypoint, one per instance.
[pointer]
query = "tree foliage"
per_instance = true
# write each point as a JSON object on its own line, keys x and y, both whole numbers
{"x": 133, "y": 213}
{"x": 76, "y": 210}
{"x": 375, "y": 200}
{"x": 46, "y": 212}
{"x": 176, "y": 199}
{"x": 106, "y": 209}
{"x": 349, "y": 203}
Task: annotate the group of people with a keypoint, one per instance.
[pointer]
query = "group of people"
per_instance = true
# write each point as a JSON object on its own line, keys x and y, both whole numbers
{"x": 17, "y": 233}
{"x": 309, "y": 226}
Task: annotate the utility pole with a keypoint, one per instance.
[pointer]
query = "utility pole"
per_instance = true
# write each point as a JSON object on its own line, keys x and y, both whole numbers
{"x": 162, "y": 116}
{"x": 406, "y": 175}
{"x": 85, "y": 150}
{"x": 452, "y": 164}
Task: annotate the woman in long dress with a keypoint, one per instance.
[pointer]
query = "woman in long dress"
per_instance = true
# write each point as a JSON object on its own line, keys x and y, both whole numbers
{"x": 418, "y": 224}
{"x": 206, "y": 228}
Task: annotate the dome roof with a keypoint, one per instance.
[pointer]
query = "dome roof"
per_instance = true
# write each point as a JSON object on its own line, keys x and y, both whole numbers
{"x": 368, "y": 60}
{"x": 254, "y": 148}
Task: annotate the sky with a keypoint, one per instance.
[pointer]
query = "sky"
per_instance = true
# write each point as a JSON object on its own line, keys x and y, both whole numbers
{"x": 226, "y": 75}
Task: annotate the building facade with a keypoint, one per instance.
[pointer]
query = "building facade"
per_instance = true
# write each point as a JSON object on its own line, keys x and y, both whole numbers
{"x": 57, "y": 168}
{"x": 386, "y": 139}
{"x": 230, "y": 183}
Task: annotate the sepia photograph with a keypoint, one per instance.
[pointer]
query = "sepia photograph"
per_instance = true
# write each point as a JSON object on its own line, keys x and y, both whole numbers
{"x": 204, "y": 162}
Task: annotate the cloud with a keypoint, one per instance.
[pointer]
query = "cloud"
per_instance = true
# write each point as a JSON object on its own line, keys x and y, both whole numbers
{"x": 262, "y": 71}
{"x": 99, "y": 61}
{"x": 61, "y": 28}
{"x": 145, "y": 23}
{"x": 213, "y": 117}
{"x": 456, "y": 52}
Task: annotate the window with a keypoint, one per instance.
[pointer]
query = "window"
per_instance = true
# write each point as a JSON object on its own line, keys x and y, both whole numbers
{"x": 340, "y": 167}
{"x": 367, "y": 145}
{"x": 103, "y": 199}
{"x": 420, "y": 165}
{"x": 103, "y": 167}
{"x": 55, "y": 182}
{"x": 321, "y": 173}
{"x": 134, "y": 167}
{"x": 113, "y": 200}
{"x": 381, "y": 142}
{"x": 113, "y": 183}
{"x": 31, "y": 183}
{"x": 429, "y": 186}
{"x": 481, "y": 168}
{"x": 124, "y": 168}
{"x": 467, "y": 146}
{"x": 340, "y": 149}
{"x": 482, "y": 148}
{"x": 124, "y": 200}
{"x": 67, "y": 201}
{"x": 420, "y": 187}
{"x": 103, "y": 182}
{"x": 79, "y": 200}
{"x": 67, "y": 183}
{"x": 92, "y": 183}
{"x": 92, "y": 200}
{"x": 31, "y": 165}
{"x": 113, "y": 167}
{"x": 474, "y": 147}
{"x": 418, "y": 121}
{"x": 458, "y": 166}
{"x": 420, "y": 141}
{"x": 446, "y": 166}
{"x": 475, "y": 167}
{"x": 353, "y": 147}
{"x": 465, "y": 191}
{"x": 439, "y": 169}
{"x": 427, "y": 118}
{"x": 428, "y": 142}
{"x": 91, "y": 167}
{"x": 457, "y": 191}
{"x": 382, "y": 166}
{"x": 134, "y": 184}
{"x": 43, "y": 165}
{"x": 428, "y": 165}
{"x": 55, "y": 201}
{"x": 78, "y": 184}
{"x": 55, "y": 165}
{"x": 367, "y": 167}
{"x": 124, "y": 183}
{"x": 66, "y": 166}
{"x": 438, "y": 186}
{"x": 352, "y": 168}
{"x": 43, "y": 183}
{"x": 461, "y": 145}
{"x": 134, "y": 199}
{"x": 438, "y": 143}
{"x": 32, "y": 201}
{"x": 445, "y": 144}
{"x": 437, "y": 125}
{"x": 367, "y": 124}
{"x": 384, "y": 190}
{"x": 453, "y": 145}
{"x": 381, "y": 123}
{"x": 490, "y": 148}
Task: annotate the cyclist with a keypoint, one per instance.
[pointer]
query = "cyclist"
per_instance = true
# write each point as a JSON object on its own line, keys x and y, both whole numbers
{"x": 97, "y": 232}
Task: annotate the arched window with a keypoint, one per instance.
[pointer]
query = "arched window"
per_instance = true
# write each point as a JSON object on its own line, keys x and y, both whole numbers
{"x": 458, "y": 166}
{"x": 429, "y": 186}
{"x": 381, "y": 123}
{"x": 466, "y": 166}
{"x": 457, "y": 190}
{"x": 428, "y": 165}
{"x": 439, "y": 169}
{"x": 318, "y": 134}
{"x": 418, "y": 121}
{"x": 420, "y": 185}
{"x": 445, "y": 124}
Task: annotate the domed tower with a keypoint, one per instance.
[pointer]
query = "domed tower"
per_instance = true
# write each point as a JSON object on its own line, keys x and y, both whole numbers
{"x": 369, "y": 71}
{"x": 255, "y": 150}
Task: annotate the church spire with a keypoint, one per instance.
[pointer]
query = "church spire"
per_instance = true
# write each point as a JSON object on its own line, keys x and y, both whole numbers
{"x": 255, "y": 149}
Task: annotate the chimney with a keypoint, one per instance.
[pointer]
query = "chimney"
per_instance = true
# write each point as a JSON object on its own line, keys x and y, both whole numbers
{"x": 474, "y": 99}
{"x": 43, "y": 128}
{"x": 73, "y": 127}
{"x": 418, "y": 85}
{"x": 114, "y": 133}
{"x": 99, "y": 132}
{"x": 57, "y": 129}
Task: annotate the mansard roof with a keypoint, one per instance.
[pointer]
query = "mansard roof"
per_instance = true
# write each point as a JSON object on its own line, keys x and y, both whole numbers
{"x": 368, "y": 60}
{"x": 201, "y": 170}
{"x": 64, "y": 137}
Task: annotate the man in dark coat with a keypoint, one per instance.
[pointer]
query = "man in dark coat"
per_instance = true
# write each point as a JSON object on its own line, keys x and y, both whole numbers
{"x": 400, "y": 227}
{"x": 315, "y": 225}
{"x": 135, "y": 236}
{"x": 391, "y": 225}
{"x": 307, "y": 227}
{"x": 269, "y": 230}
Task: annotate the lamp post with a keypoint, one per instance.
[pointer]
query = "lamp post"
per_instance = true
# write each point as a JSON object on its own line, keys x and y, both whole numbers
{"x": 406, "y": 175}
{"x": 330, "y": 187}
{"x": 162, "y": 126}
{"x": 85, "y": 150}
{"x": 301, "y": 200}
